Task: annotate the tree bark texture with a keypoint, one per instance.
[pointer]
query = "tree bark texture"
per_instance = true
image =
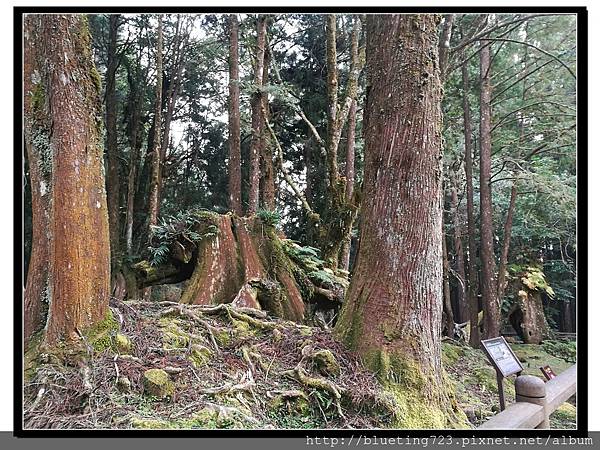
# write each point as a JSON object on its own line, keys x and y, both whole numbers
{"x": 62, "y": 131}
{"x": 393, "y": 312}
{"x": 459, "y": 259}
{"x": 268, "y": 170}
{"x": 510, "y": 213}
{"x": 257, "y": 116}
{"x": 350, "y": 174}
{"x": 332, "y": 97}
{"x": 235, "y": 168}
{"x": 472, "y": 285}
{"x": 134, "y": 134}
{"x": 112, "y": 176}
{"x": 448, "y": 313}
{"x": 491, "y": 306}
{"x": 156, "y": 142}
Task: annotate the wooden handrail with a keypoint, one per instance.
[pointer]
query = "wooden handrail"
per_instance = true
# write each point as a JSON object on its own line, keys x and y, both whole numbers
{"x": 516, "y": 415}
{"x": 533, "y": 411}
{"x": 561, "y": 388}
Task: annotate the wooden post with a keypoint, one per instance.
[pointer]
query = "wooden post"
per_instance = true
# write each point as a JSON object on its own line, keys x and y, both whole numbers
{"x": 500, "y": 379}
{"x": 532, "y": 389}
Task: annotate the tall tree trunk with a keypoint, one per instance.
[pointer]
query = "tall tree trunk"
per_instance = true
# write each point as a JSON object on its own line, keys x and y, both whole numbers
{"x": 268, "y": 171}
{"x": 135, "y": 104}
{"x": 156, "y": 143}
{"x": 459, "y": 259}
{"x": 180, "y": 44}
{"x": 444, "y": 45}
{"x": 488, "y": 279}
{"x": 351, "y": 137}
{"x": 341, "y": 210}
{"x": 351, "y": 141}
{"x": 472, "y": 286}
{"x": 38, "y": 276}
{"x": 332, "y": 103}
{"x": 257, "y": 118}
{"x": 62, "y": 129}
{"x": 449, "y": 314}
{"x": 393, "y": 311}
{"x": 510, "y": 213}
{"x": 112, "y": 176}
{"x": 235, "y": 169}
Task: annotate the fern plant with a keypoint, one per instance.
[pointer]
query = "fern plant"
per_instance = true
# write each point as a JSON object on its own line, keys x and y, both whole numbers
{"x": 172, "y": 228}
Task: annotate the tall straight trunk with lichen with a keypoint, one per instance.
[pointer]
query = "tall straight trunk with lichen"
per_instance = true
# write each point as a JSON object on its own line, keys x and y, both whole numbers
{"x": 257, "y": 116}
{"x": 235, "y": 168}
{"x": 471, "y": 268}
{"x": 336, "y": 222}
{"x": 62, "y": 129}
{"x": 156, "y": 143}
{"x": 112, "y": 176}
{"x": 489, "y": 293}
{"x": 393, "y": 310}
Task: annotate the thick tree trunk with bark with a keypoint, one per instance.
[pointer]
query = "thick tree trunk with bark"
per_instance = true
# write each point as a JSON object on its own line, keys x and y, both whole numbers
{"x": 112, "y": 175}
{"x": 393, "y": 312}
{"x": 472, "y": 285}
{"x": 257, "y": 116}
{"x": 37, "y": 287}
{"x": 491, "y": 306}
{"x": 235, "y": 168}
{"x": 156, "y": 142}
{"x": 62, "y": 130}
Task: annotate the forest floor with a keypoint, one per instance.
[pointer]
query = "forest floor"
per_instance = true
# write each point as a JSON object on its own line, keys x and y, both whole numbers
{"x": 170, "y": 366}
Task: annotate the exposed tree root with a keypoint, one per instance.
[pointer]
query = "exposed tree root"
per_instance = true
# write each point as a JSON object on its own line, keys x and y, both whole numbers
{"x": 214, "y": 387}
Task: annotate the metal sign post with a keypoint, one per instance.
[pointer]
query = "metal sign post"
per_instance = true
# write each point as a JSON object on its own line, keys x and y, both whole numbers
{"x": 504, "y": 361}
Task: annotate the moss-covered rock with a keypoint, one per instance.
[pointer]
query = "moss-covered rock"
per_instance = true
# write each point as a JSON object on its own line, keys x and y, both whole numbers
{"x": 200, "y": 355}
{"x": 123, "y": 384}
{"x": 326, "y": 363}
{"x": 242, "y": 330}
{"x": 172, "y": 334}
{"x": 101, "y": 335}
{"x": 149, "y": 424}
{"x": 157, "y": 383}
{"x": 123, "y": 344}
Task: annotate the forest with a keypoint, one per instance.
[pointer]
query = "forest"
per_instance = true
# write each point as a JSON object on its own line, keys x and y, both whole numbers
{"x": 284, "y": 221}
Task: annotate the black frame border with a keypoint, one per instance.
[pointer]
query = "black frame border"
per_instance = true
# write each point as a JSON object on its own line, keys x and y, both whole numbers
{"x": 582, "y": 231}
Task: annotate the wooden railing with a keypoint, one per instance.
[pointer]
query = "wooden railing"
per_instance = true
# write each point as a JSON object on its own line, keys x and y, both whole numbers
{"x": 536, "y": 400}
